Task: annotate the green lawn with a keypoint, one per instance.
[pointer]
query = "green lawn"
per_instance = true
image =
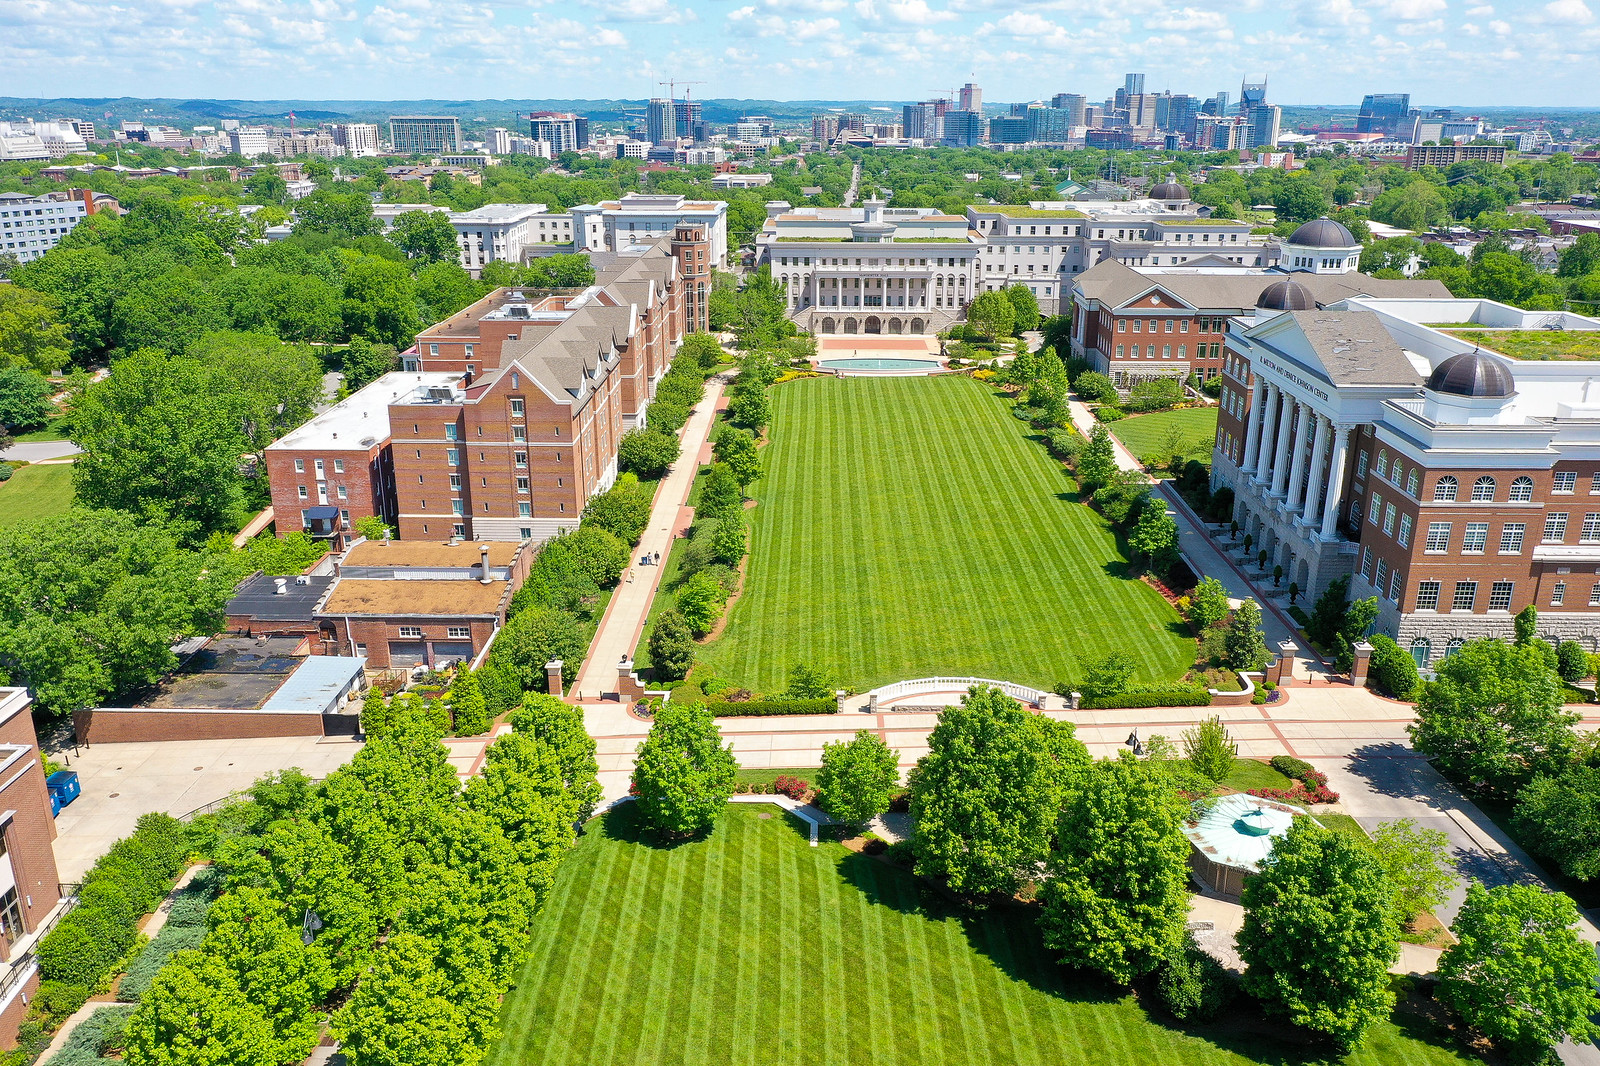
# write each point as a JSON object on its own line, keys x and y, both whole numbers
{"x": 909, "y": 528}
{"x": 751, "y": 947}
{"x": 1248, "y": 774}
{"x": 36, "y": 491}
{"x": 54, "y": 430}
{"x": 1146, "y": 434}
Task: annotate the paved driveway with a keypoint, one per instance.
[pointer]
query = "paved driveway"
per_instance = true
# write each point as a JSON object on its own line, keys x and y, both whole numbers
{"x": 35, "y": 451}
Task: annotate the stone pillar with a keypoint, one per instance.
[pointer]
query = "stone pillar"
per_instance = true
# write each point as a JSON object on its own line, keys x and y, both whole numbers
{"x": 628, "y": 687}
{"x": 1358, "y": 673}
{"x": 1252, "y": 433}
{"x": 1288, "y": 664}
{"x": 1281, "y": 461}
{"x": 1269, "y": 435}
{"x": 1314, "y": 477}
{"x": 1330, "y": 506}
{"x": 552, "y": 677}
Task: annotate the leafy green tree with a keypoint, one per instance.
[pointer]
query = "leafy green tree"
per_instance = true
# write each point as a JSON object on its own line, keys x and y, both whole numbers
{"x": 1050, "y": 392}
{"x": 1327, "y": 615}
{"x": 338, "y": 214}
{"x": 808, "y": 681}
{"x": 984, "y": 799}
{"x": 858, "y": 778}
{"x": 671, "y": 646}
{"x": 1245, "y": 642}
{"x": 992, "y": 314}
{"x": 1107, "y": 675}
{"x": 596, "y": 551}
{"x": 365, "y": 362}
{"x": 1155, "y": 538}
{"x": 1353, "y": 628}
{"x": 622, "y": 510}
{"x": 1417, "y": 863}
{"x": 1558, "y": 816}
{"x": 425, "y": 235}
{"x": 1495, "y": 716}
{"x": 373, "y": 527}
{"x": 1392, "y": 670}
{"x": 374, "y": 713}
{"x": 700, "y": 601}
{"x": 537, "y": 636}
{"x": 1210, "y": 749}
{"x": 1299, "y": 200}
{"x": 195, "y": 1014}
{"x": 727, "y": 541}
{"x": 749, "y": 407}
{"x": 1117, "y": 899}
{"x": 1525, "y": 625}
{"x": 1208, "y": 604}
{"x": 380, "y": 301}
{"x": 1057, "y": 330}
{"x": 560, "y": 725}
{"x": 647, "y": 452}
{"x": 80, "y": 284}
{"x": 266, "y": 187}
{"x": 1572, "y": 661}
{"x": 720, "y": 493}
{"x": 1518, "y": 972}
{"x": 32, "y": 335}
{"x": 684, "y": 774}
{"x": 443, "y": 288}
{"x": 24, "y": 398}
{"x": 1097, "y": 463}
{"x": 736, "y": 449}
{"x": 1320, "y": 934}
{"x": 273, "y": 968}
{"x": 702, "y": 349}
{"x": 405, "y": 1011}
{"x": 1024, "y": 308}
{"x": 1095, "y": 387}
{"x": 1581, "y": 259}
{"x": 470, "y": 712}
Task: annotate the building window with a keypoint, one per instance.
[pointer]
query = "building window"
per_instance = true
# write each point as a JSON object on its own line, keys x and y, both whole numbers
{"x": 1522, "y": 490}
{"x": 1427, "y": 596}
{"x": 455, "y": 507}
{"x": 1119, "y": 351}
{"x": 1453, "y": 647}
{"x": 1594, "y": 595}
{"x": 516, "y": 409}
{"x": 519, "y": 433}
{"x": 524, "y": 509}
{"x": 450, "y": 432}
{"x": 1500, "y": 595}
{"x": 1483, "y": 489}
{"x": 338, "y": 466}
{"x": 522, "y": 484}
{"x": 1566, "y": 482}
{"x": 1396, "y": 585}
{"x": 1594, "y": 484}
{"x": 343, "y": 495}
{"x": 1511, "y": 537}
{"x": 1413, "y": 482}
{"x": 1383, "y": 464}
{"x": 1388, "y": 520}
{"x": 299, "y": 466}
{"x": 1404, "y": 539}
{"x": 1555, "y": 527}
{"x": 452, "y": 456}
{"x": 1421, "y": 651}
{"x": 1438, "y": 537}
{"x": 521, "y": 458}
{"x": 1466, "y": 595}
{"x": 1376, "y": 510}
{"x": 1361, "y": 464}
{"x": 459, "y": 632}
{"x": 1590, "y": 533}
{"x": 1476, "y": 537}
{"x": 411, "y": 631}
{"x": 1366, "y": 560}
{"x": 1558, "y": 594}
{"x": 1444, "y": 490}
{"x": 1122, "y": 327}
{"x": 1377, "y": 577}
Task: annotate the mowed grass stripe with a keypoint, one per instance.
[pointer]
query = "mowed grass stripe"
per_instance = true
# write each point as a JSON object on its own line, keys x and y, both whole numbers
{"x": 908, "y": 527}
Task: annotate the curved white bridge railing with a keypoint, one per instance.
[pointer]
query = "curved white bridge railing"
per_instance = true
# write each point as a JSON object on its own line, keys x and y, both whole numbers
{"x": 955, "y": 684}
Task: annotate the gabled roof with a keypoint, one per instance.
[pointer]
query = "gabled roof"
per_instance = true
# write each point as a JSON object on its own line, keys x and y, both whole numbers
{"x": 1352, "y": 347}
{"x": 1114, "y": 283}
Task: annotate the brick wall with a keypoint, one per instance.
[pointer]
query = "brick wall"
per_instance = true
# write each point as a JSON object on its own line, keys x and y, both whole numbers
{"x": 367, "y": 480}
{"x": 375, "y": 634}
{"x": 11, "y": 1017}
{"x": 32, "y": 827}
{"x": 129, "y": 725}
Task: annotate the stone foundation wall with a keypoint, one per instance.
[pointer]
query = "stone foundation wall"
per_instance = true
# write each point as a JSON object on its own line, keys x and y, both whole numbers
{"x": 1442, "y": 628}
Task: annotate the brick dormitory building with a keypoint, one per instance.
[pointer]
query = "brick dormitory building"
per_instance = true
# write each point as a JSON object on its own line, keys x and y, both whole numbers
{"x": 1395, "y": 441}
{"x": 504, "y": 419}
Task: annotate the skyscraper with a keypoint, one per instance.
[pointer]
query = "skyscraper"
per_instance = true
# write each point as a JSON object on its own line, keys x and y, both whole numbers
{"x": 661, "y": 121}
{"x": 425, "y": 134}
{"x": 1217, "y": 105}
{"x": 1264, "y": 122}
{"x": 1073, "y": 104}
{"x": 922, "y": 121}
{"x": 825, "y": 128}
{"x": 971, "y": 97}
{"x": 963, "y": 128}
{"x": 687, "y": 113}
{"x": 1252, "y": 95}
{"x": 564, "y": 131}
{"x": 1133, "y": 84}
{"x": 1383, "y": 112}
{"x": 1049, "y": 125}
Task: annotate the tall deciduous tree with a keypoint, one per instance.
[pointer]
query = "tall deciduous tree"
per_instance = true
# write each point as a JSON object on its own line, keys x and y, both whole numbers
{"x": 273, "y": 968}
{"x": 1417, "y": 862}
{"x": 1024, "y": 308}
{"x": 1097, "y": 463}
{"x": 560, "y": 725}
{"x": 425, "y": 235}
{"x": 736, "y": 449}
{"x": 467, "y": 706}
{"x": 1559, "y": 817}
{"x": 366, "y": 362}
{"x": 32, "y": 334}
{"x": 984, "y": 797}
{"x": 1518, "y": 972}
{"x": 857, "y": 778}
{"x": 195, "y": 1014}
{"x": 992, "y": 314}
{"x": 1116, "y": 901}
{"x": 404, "y": 1012}
{"x": 1495, "y": 716}
{"x": 684, "y": 774}
{"x": 1320, "y": 934}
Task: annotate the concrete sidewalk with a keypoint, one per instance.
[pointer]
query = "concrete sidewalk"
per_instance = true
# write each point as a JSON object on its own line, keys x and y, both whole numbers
{"x": 623, "y": 623}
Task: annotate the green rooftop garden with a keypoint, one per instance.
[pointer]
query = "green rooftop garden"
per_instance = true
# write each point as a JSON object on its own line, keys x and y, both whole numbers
{"x": 1534, "y": 344}
{"x": 1023, "y": 211}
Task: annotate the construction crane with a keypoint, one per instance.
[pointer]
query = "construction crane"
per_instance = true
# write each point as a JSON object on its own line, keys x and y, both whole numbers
{"x": 673, "y": 83}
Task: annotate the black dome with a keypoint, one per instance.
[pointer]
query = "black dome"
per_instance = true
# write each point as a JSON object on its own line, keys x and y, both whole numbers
{"x": 1286, "y": 295}
{"x": 1169, "y": 190}
{"x": 1472, "y": 374}
{"x": 1323, "y": 233}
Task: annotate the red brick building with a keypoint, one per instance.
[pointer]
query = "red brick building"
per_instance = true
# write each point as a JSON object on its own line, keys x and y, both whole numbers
{"x": 30, "y": 888}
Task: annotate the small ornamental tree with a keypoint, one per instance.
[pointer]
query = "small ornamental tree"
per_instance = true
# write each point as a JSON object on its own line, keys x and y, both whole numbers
{"x": 808, "y": 681}
{"x": 857, "y": 778}
{"x": 467, "y": 705}
{"x": 1097, "y": 463}
{"x": 275, "y": 970}
{"x": 374, "y": 713}
{"x": 1525, "y": 625}
{"x": 1572, "y": 662}
{"x": 1418, "y": 864}
{"x": 671, "y": 646}
{"x": 1245, "y": 642}
{"x": 728, "y": 540}
{"x": 1208, "y": 604}
{"x": 1518, "y": 972}
{"x": 683, "y": 775}
{"x": 1024, "y": 308}
{"x": 647, "y": 452}
{"x": 1320, "y": 934}
{"x": 1155, "y": 538}
{"x": 1210, "y": 749}
{"x": 700, "y": 602}
{"x": 736, "y": 449}
{"x": 1117, "y": 900}
{"x": 719, "y": 493}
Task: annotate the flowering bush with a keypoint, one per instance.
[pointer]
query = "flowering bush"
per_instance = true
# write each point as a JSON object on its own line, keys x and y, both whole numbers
{"x": 1302, "y": 792}
{"x": 793, "y": 787}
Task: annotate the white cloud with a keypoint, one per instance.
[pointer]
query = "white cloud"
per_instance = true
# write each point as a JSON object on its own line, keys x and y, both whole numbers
{"x": 1192, "y": 20}
{"x": 1568, "y": 12}
{"x": 1410, "y": 10}
{"x": 1499, "y": 28}
{"x": 661, "y": 12}
{"x": 1417, "y": 29}
{"x": 1480, "y": 11}
{"x": 905, "y": 11}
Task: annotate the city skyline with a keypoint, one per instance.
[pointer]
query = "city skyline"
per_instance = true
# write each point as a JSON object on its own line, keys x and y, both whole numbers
{"x": 1459, "y": 52}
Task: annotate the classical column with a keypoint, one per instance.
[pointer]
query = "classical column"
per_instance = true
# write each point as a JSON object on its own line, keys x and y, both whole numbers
{"x": 1314, "y": 478}
{"x": 1269, "y": 431}
{"x": 1301, "y": 446}
{"x": 1280, "y": 458}
{"x": 1341, "y": 455}
{"x": 1252, "y": 433}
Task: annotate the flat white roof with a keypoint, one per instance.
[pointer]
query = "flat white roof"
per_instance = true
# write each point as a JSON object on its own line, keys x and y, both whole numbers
{"x": 498, "y": 213}
{"x": 364, "y": 416}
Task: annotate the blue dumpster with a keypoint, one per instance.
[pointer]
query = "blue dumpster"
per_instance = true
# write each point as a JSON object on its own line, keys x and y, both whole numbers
{"x": 55, "y": 805}
{"x": 64, "y": 787}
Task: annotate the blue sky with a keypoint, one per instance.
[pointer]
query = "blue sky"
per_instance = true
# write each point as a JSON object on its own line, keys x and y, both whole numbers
{"x": 1314, "y": 51}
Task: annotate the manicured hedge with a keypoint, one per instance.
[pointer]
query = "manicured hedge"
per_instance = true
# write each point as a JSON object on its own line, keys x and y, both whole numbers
{"x": 1289, "y": 766}
{"x": 1169, "y": 697}
{"x": 756, "y": 708}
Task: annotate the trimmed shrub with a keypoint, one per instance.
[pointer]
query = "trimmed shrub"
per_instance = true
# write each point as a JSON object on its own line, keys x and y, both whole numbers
{"x": 1572, "y": 662}
{"x": 758, "y": 708}
{"x": 793, "y": 787}
{"x": 1110, "y": 414}
{"x": 1192, "y": 986}
{"x": 1095, "y": 387}
{"x": 1289, "y": 766}
{"x": 1155, "y": 697}
{"x": 6, "y": 470}
{"x": 1392, "y": 671}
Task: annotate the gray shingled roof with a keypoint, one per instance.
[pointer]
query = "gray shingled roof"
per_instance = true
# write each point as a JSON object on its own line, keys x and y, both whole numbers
{"x": 1113, "y": 283}
{"x": 1355, "y": 349}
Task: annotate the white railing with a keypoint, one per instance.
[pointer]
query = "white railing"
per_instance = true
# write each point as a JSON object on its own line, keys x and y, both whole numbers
{"x": 955, "y": 684}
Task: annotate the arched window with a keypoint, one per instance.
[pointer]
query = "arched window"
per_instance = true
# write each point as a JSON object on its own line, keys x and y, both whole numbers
{"x": 1522, "y": 490}
{"x": 1413, "y": 481}
{"x": 1421, "y": 651}
{"x": 1383, "y": 464}
{"x": 1444, "y": 490}
{"x": 1452, "y": 647}
{"x": 1483, "y": 489}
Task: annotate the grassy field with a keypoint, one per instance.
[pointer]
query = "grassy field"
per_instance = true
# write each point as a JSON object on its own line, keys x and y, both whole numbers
{"x": 35, "y": 492}
{"x": 1146, "y": 434}
{"x": 909, "y": 528}
{"x": 751, "y": 947}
